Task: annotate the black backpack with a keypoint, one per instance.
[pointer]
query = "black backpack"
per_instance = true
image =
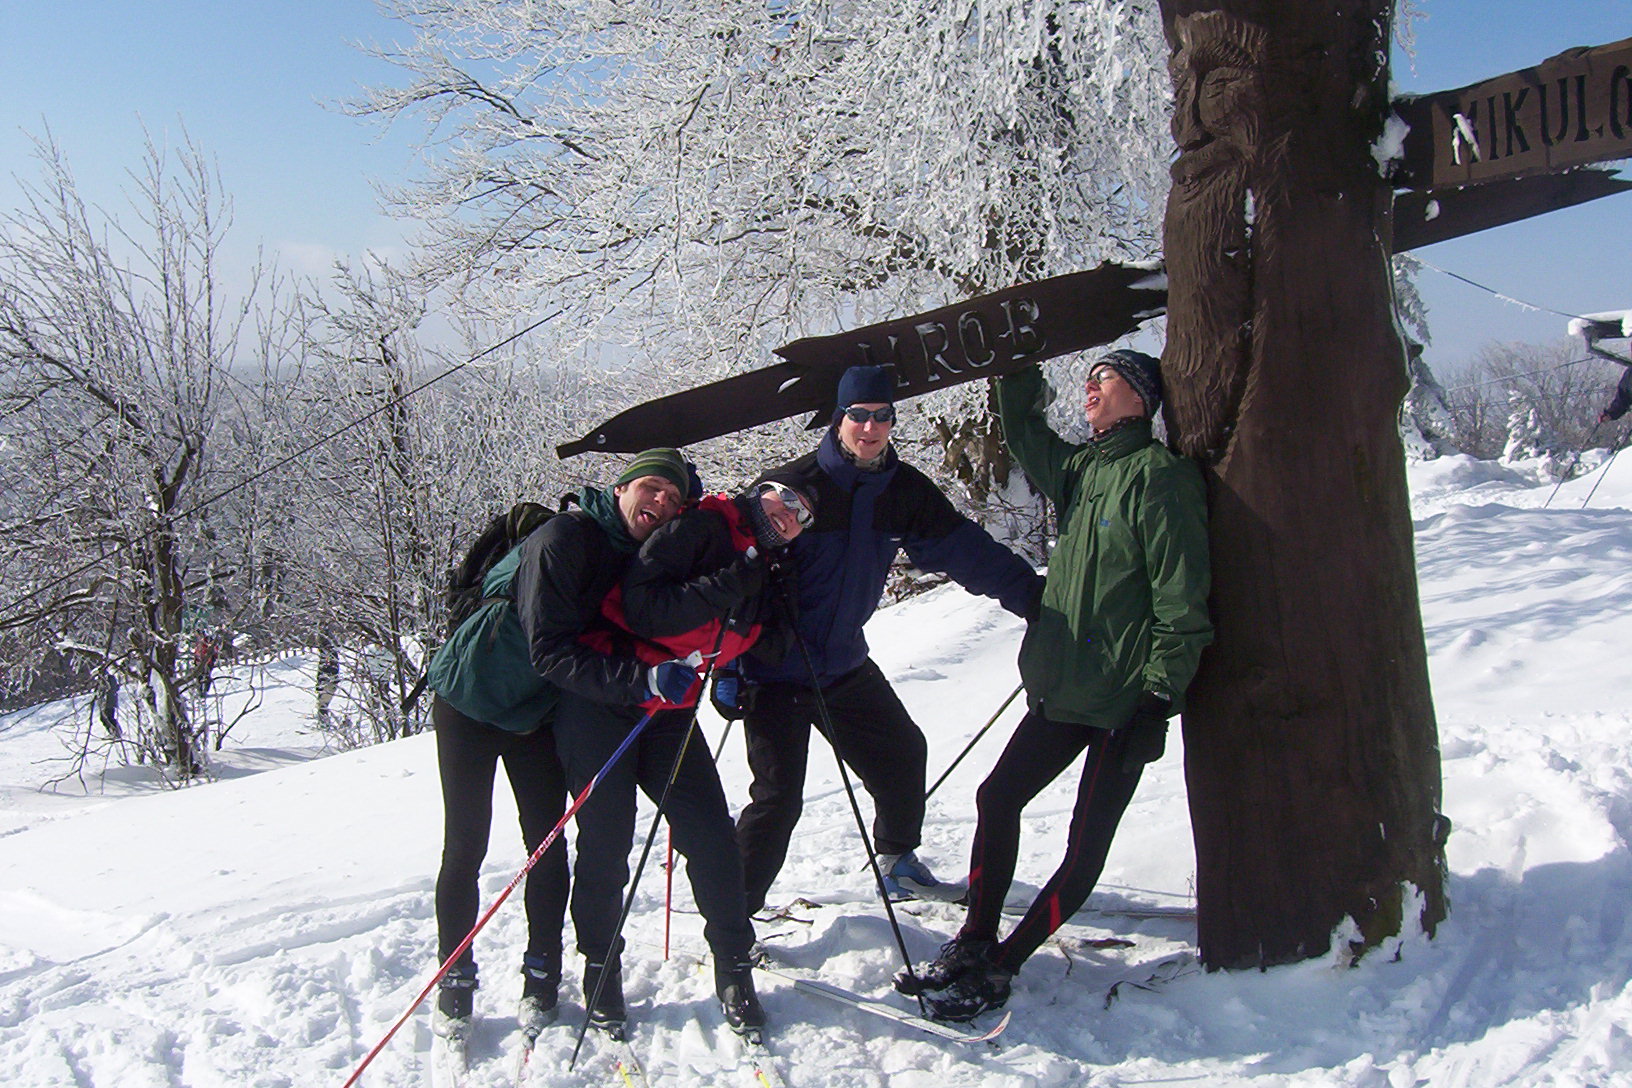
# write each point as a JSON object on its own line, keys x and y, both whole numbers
{"x": 464, "y": 593}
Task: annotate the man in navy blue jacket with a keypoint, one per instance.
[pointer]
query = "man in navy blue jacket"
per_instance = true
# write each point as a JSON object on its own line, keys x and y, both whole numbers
{"x": 869, "y": 506}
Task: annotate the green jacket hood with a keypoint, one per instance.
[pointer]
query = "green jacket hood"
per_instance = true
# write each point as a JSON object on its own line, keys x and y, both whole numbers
{"x": 603, "y": 507}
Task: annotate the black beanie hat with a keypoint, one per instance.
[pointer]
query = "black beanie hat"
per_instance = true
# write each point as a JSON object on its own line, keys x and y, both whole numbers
{"x": 866, "y": 385}
{"x": 1141, "y": 371}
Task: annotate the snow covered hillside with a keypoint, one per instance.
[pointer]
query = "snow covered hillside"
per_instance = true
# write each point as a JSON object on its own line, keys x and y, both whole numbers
{"x": 265, "y": 930}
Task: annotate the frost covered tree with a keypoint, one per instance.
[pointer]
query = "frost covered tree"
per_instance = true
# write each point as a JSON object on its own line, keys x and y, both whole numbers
{"x": 1427, "y": 426}
{"x": 1506, "y": 386}
{"x": 696, "y": 185}
{"x": 116, "y": 339}
{"x": 1526, "y": 439}
{"x": 415, "y": 451}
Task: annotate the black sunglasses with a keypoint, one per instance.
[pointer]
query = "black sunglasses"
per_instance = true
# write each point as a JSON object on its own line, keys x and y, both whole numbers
{"x": 857, "y": 414}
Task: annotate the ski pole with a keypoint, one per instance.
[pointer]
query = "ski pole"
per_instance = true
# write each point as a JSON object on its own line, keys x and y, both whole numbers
{"x": 720, "y": 747}
{"x": 668, "y": 893}
{"x": 532, "y": 860}
{"x": 1571, "y": 469}
{"x": 967, "y": 748}
{"x": 1616, "y": 452}
{"x": 855, "y": 810}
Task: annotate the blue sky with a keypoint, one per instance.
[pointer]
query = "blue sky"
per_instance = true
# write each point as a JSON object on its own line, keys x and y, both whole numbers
{"x": 1576, "y": 260}
{"x": 254, "y": 83}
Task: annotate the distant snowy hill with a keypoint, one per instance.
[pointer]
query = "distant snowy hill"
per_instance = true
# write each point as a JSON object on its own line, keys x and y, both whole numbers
{"x": 266, "y": 929}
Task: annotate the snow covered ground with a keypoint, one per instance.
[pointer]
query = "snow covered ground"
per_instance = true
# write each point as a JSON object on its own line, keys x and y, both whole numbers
{"x": 266, "y": 929}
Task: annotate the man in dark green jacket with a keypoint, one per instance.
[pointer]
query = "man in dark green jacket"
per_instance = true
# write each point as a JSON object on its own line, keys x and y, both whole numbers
{"x": 1105, "y": 663}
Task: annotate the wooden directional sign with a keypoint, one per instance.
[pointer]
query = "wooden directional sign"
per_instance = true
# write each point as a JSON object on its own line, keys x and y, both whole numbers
{"x": 1573, "y": 109}
{"x": 1423, "y": 218}
{"x": 986, "y": 336}
{"x": 999, "y": 333}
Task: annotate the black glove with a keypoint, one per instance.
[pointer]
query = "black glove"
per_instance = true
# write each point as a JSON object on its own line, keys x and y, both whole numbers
{"x": 1144, "y": 737}
{"x": 1034, "y": 607}
{"x": 727, "y": 694}
{"x": 745, "y": 576}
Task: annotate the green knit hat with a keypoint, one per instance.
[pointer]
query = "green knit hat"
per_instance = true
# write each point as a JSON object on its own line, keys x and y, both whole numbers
{"x": 663, "y": 461}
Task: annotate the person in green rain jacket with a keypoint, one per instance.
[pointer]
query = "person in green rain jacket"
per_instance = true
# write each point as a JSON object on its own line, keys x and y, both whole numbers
{"x": 1124, "y": 608}
{"x": 1105, "y": 662}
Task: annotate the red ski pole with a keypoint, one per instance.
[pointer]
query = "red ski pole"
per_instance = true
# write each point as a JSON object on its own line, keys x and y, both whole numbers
{"x": 555, "y": 833}
{"x": 668, "y": 895}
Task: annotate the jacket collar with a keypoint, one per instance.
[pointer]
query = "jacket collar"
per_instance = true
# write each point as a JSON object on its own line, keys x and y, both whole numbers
{"x": 602, "y": 506}
{"x": 844, "y": 470}
{"x": 1123, "y": 437}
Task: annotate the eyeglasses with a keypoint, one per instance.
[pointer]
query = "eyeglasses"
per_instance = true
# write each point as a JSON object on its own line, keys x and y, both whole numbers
{"x": 794, "y": 501}
{"x": 1100, "y": 374}
{"x": 857, "y": 414}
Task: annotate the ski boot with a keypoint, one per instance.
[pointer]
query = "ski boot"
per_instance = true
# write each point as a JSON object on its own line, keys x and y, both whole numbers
{"x": 734, "y": 985}
{"x": 905, "y": 877}
{"x": 977, "y": 990}
{"x": 958, "y": 956}
{"x": 606, "y": 1011}
{"x": 540, "y": 985}
{"x": 455, "y": 1001}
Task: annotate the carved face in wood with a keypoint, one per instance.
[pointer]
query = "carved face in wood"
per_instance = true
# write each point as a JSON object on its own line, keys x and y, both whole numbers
{"x": 1217, "y": 69}
{"x": 1218, "y": 66}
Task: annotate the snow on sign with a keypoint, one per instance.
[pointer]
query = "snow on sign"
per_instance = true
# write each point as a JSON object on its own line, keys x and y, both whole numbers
{"x": 1569, "y": 110}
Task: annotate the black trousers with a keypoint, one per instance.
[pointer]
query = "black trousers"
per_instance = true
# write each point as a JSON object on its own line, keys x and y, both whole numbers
{"x": 879, "y": 742}
{"x": 1037, "y": 753}
{"x": 467, "y": 755}
{"x": 588, "y": 733}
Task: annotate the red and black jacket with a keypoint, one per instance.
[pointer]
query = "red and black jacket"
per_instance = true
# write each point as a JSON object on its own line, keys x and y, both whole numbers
{"x": 692, "y": 588}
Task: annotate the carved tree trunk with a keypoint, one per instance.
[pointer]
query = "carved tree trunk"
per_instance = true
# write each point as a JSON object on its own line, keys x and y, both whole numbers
{"x": 1310, "y": 745}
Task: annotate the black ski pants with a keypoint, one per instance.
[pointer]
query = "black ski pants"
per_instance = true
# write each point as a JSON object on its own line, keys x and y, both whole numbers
{"x": 467, "y": 755}
{"x": 588, "y": 733}
{"x": 873, "y": 733}
{"x": 1037, "y": 753}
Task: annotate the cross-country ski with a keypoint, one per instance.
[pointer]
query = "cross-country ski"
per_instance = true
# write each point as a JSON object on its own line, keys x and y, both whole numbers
{"x": 875, "y": 1007}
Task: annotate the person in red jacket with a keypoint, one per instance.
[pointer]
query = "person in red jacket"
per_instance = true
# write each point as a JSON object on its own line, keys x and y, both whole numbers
{"x": 693, "y": 595}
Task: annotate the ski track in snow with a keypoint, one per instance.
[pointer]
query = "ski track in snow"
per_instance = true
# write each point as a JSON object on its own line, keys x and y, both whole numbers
{"x": 266, "y": 929}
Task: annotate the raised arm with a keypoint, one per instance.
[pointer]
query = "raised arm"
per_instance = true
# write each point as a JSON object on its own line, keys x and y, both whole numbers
{"x": 1021, "y": 403}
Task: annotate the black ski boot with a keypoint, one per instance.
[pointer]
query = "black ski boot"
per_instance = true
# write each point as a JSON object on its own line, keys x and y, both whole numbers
{"x": 540, "y": 991}
{"x": 455, "y": 1001}
{"x": 734, "y": 984}
{"x": 958, "y": 956}
{"x": 976, "y": 990}
{"x": 607, "y": 1011}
